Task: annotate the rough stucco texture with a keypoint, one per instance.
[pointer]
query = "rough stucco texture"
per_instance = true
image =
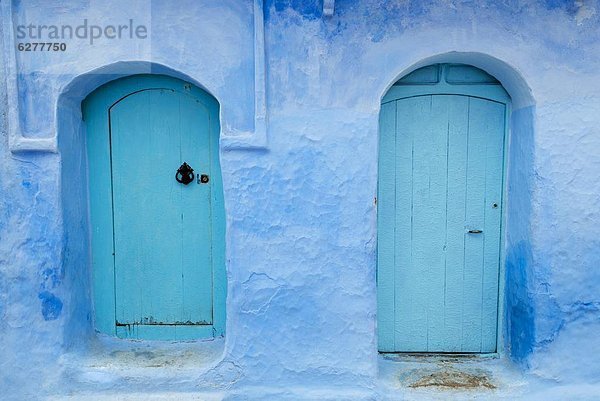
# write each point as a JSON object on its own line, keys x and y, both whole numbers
{"x": 301, "y": 219}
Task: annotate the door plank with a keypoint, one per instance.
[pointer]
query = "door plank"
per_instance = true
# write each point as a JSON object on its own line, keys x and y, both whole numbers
{"x": 196, "y": 244}
{"x": 458, "y": 123}
{"x": 474, "y": 218}
{"x": 411, "y": 310}
{"x": 433, "y": 225}
{"x": 386, "y": 206}
{"x": 495, "y": 121}
{"x": 101, "y": 217}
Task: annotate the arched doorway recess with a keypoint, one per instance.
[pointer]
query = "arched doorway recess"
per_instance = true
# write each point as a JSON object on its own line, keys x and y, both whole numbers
{"x": 442, "y": 146}
{"x": 156, "y": 209}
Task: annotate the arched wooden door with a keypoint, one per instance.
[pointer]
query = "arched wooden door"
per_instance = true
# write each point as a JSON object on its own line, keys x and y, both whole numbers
{"x": 440, "y": 195}
{"x": 157, "y": 226}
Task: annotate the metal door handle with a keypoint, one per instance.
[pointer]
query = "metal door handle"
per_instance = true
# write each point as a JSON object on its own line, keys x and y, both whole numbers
{"x": 185, "y": 174}
{"x": 475, "y": 231}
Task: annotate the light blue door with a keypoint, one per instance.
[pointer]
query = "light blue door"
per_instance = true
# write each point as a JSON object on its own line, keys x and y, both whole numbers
{"x": 164, "y": 233}
{"x": 442, "y": 134}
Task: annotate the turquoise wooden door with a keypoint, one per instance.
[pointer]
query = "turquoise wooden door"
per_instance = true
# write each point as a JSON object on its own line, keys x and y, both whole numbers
{"x": 440, "y": 193}
{"x": 164, "y": 236}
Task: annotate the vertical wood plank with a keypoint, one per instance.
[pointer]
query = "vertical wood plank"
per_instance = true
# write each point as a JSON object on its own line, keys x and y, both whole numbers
{"x": 218, "y": 218}
{"x": 433, "y": 221}
{"x": 455, "y": 233}
{"x": 100, "y": 203}
{"x": 495, "y": 119}
{"x": 196, "y": 244}
{"x": 411, "y": 310}
{"x": 473, "y": 271}
{"x": 386, "y": 204}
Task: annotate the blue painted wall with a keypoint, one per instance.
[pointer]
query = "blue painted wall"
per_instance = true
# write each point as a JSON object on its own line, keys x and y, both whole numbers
{"x": 301, "y": 221}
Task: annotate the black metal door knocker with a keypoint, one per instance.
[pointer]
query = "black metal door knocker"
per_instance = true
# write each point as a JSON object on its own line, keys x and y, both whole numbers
{"x": 185, "y": 174}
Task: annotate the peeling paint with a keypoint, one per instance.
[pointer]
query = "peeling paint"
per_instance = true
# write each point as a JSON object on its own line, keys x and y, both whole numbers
{"x": 454, "y": 379}
{"x": 51, "y": 305}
